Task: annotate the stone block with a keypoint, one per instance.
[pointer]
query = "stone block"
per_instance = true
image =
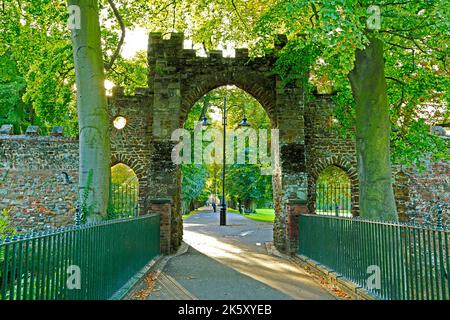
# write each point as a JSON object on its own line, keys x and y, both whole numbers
{"x": 7, "y": 129}
{"x": 216, "y": 54}
{"x": 32, "y": 131}
{"x": 57, "y": 131}
{"x": 242, "y": 53}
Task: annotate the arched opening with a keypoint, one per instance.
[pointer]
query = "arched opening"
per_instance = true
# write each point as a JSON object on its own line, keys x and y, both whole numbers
{"x": 124, "y": 192}
{"x": 333, "y": 192}
{"x": 248, "y": 180}
{"x": 253, "y": 92}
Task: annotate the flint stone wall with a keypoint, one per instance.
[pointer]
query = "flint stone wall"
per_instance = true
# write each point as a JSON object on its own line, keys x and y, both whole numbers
{"x": 33, "y": 183}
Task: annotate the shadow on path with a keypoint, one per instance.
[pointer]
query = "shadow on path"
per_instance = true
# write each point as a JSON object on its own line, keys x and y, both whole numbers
{"x": 231, "y": 263}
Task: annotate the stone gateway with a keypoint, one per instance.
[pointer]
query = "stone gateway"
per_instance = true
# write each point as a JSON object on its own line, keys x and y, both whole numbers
{"x": 38, "y": 175}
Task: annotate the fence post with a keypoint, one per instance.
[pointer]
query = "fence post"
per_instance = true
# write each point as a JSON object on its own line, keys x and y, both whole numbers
{"x": 164, "y": 208}
{"x": 294, "y": 207}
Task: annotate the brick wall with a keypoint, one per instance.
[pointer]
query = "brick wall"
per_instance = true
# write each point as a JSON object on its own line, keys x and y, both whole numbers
{"x": 324, "y": 147}
{"x": 418, "y": 192}
{"x": 33, "y": 186}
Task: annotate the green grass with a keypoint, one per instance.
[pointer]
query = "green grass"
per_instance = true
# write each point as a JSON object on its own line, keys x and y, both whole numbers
{"x": 187, "y": 215}
{"x": 263, "y": 215}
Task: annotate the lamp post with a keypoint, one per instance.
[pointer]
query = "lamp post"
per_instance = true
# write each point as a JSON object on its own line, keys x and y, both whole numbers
{"x": 223, "y": 204}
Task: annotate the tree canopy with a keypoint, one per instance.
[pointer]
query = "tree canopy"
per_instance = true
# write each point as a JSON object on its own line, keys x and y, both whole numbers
{"x": 325, "y": 39}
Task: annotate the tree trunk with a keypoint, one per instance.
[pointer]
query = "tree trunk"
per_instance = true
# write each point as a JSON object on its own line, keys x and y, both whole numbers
{"x": 373, "y": 133}
{"x": 93, "y": 119}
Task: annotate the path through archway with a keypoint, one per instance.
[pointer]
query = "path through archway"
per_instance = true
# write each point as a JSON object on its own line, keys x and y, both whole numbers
{"x": 249, "y": 156}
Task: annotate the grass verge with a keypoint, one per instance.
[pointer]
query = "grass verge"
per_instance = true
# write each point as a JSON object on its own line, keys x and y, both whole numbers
{"x": 262, "y": 215}
{"x": 187, "y": 215}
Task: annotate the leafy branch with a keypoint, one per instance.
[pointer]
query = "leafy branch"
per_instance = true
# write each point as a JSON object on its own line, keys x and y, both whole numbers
{"x": 122, "y": 37}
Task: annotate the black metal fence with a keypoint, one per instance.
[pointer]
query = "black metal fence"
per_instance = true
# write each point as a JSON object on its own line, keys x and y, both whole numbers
{"x": 391, "y": 260}
{"x": 92, "y": 261}
{"x": 334, "y": 200}
{"x": 124, "y": 200}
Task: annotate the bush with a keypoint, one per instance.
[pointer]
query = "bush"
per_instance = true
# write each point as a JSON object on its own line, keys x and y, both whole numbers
{"x": 6, "y": 229}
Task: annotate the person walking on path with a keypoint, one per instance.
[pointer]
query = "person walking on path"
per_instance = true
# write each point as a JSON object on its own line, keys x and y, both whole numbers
{"x": 214, "y": 205}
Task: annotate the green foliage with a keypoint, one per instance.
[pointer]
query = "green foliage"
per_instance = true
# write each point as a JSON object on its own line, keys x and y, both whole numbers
{"x": 6, "y": 229}
{"x": 122, "y": 174}
{"x": 37, "y": 79}
{"x": 243, "y": 182}
{"x": 36, "y": 39}
{"x": 190, "y": 213}
{"x": 239, "y": 103}
{"x": 12, "y": 109}
{"x": 193, "y": 182}
{"x": 323, "y": 37}
{"x": 130, "y": 73}
{"x": 418, "y": 146}
{"x": 86, "y": 209}
{"x": 333, "y": 175}
{"x": 206, "y": 22}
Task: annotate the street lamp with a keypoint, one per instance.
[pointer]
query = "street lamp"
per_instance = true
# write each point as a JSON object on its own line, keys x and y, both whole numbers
{"x": 244, "y": 123}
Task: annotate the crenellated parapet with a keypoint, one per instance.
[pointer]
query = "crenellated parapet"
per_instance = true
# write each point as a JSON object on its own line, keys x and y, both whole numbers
{"x": 173, "y": 47}
{"x": 178, "y": 76}
{"x": 33, "y": 133}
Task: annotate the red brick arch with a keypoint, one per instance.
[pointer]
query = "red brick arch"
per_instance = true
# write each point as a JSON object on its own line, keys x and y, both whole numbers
{"x": 344, "y": 165}
{"x": 134, "y": 164}
{"x": 139, "y": 171}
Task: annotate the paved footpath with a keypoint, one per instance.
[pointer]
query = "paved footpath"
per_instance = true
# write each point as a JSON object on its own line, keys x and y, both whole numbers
{"x": 231, "y": 263}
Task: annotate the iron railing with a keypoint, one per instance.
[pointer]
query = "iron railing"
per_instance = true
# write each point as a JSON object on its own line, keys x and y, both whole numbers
{"x": 334, "y": 200}
{"x": 123, "y": 200}
{"x": 398, "y": 261}
{"x": 86, "y": 262}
